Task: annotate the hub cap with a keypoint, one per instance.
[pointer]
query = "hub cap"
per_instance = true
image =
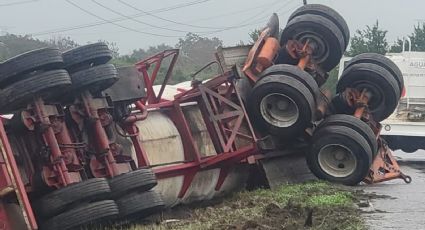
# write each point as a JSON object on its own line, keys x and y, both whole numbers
{"x": 279, "y": 110}
{"x": 337, "y": 160}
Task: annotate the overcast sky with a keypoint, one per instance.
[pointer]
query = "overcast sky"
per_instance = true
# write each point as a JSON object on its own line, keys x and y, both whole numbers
{"x": 229, "y": 20}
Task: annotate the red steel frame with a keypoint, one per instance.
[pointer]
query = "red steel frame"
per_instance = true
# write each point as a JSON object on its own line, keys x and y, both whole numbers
{"x": 10, "y": 180}
{"x": 222, "y": 115}
{"x": 104, "y": 157}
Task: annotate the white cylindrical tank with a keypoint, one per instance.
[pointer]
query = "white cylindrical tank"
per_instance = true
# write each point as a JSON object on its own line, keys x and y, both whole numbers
{"x": 163, "y": 144}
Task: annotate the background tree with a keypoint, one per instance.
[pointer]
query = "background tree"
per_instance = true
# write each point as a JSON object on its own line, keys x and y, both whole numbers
{"x": 113, "y": 47}
{"x": 417, "y": 37}
{"x": 332, "y": 80}
{"x": 12, "y": 45}
{"x": 63, "y": 43}
{"x": 372, "y": 39}
{"x": 140, "y": 54}
{"x": 195, "y": 52}
{"x": 253, "y": 35}
{"x": 396, "y": 46}
{"x": 200, "y": 50}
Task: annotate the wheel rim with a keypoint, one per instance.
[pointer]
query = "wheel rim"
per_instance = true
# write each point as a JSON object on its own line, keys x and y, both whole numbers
{"x": 337, "y": 160}
{"x": 279, "y": 110}
{"x": 316, "y": 41}
{"x": 375, "y": 93}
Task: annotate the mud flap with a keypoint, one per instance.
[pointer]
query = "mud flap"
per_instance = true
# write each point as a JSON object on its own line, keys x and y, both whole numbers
{"x": 286, "y": 169}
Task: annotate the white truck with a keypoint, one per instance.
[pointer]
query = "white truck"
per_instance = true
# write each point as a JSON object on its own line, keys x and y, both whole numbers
{"x": 405, "y": 128}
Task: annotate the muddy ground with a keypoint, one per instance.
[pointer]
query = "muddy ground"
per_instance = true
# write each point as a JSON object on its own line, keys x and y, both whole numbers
{"x": 312, "y": 205}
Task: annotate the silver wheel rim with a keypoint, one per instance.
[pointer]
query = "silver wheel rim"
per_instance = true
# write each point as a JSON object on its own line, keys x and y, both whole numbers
{"x": 279, "y": 110}
{"x": 337, "y": 160}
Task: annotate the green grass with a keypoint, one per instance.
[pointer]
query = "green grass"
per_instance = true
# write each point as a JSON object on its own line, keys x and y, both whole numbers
{"x": 312, "y": 194}
{"x": 287, "y": 207}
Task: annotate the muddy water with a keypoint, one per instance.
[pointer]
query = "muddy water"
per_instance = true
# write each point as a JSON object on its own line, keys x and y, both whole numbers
{"x": 402, "y": 206}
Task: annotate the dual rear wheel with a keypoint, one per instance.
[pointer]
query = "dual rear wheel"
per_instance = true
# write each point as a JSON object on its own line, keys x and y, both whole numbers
{"x": 47, "y": 73}
{"x": 324, "y": 29}
{"x": 89, "y": 71}
{"x": 282, "y": 102}
{"x": 378, "y": 77}
{"x": 342, "y": 150}
{"x": 343, "y": 147}
{"x": 95, "y": 200}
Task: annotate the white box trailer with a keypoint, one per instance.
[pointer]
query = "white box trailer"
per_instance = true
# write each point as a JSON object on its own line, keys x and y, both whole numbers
{"x": 405, "y": 128}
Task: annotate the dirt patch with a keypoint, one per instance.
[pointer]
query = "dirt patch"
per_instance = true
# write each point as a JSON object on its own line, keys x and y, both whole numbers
{"x": 313, "y": 205}
{"x": 360, "y": 195}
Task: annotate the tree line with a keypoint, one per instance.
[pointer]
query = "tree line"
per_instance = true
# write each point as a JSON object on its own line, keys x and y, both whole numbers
{"x": 373, "y": 39}
{"x": 196, "y": 51}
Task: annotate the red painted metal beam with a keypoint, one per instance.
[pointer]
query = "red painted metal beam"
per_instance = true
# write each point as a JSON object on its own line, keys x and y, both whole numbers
{"x": 104, "y": 153}
{"x": 18, "y": 184}
{"x": 175, "y": 170}
{"x": 222, "y": 115}
{"x": 206, "y": 163}
{"x": 51, "y": 141}
{"x": 142, "y": 157}
{"x": 5, "y": 180}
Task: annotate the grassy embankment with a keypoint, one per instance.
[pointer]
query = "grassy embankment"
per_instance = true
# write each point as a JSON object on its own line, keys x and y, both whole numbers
{"x": 312, "y": 205}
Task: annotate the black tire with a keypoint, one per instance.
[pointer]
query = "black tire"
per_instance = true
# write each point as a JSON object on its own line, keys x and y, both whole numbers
{"x": 139, "y": 205}
{"x": 139, "y": 180}
{"x": 273, "y": 24}
{"x": 47, "y": 85}
{"x": 294, "y": 72}
{"x": 94, "y": 79}
{"x": 15, "y": 68}
{"x": 347, "y": 138}
{"x": 287, "y": 87}
{"x": 378, "y": 81}
{"x": 59, "y": 200}
{"x": 381, "y": 60}
{"x": 328, "y": 39}
{"x": 95, "y": 212}
{"x": 339, "y": 105}
{"x": 86, "y": 56}
{"x": 283, "y": 57}
{"x": 354, "y": 123}
{"x": 326, "y": 12}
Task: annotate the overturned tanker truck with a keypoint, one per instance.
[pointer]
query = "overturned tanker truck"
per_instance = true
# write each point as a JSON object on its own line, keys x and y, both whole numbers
{"x": 89, "y": 142}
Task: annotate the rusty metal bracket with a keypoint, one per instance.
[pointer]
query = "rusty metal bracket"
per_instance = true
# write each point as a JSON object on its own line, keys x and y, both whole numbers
{"x": 385, "y": 167}
{"x": 261, "y": 55}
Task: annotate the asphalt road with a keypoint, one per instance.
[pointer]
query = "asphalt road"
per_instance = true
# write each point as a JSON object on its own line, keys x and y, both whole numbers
{"x": 399, "y": 205}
